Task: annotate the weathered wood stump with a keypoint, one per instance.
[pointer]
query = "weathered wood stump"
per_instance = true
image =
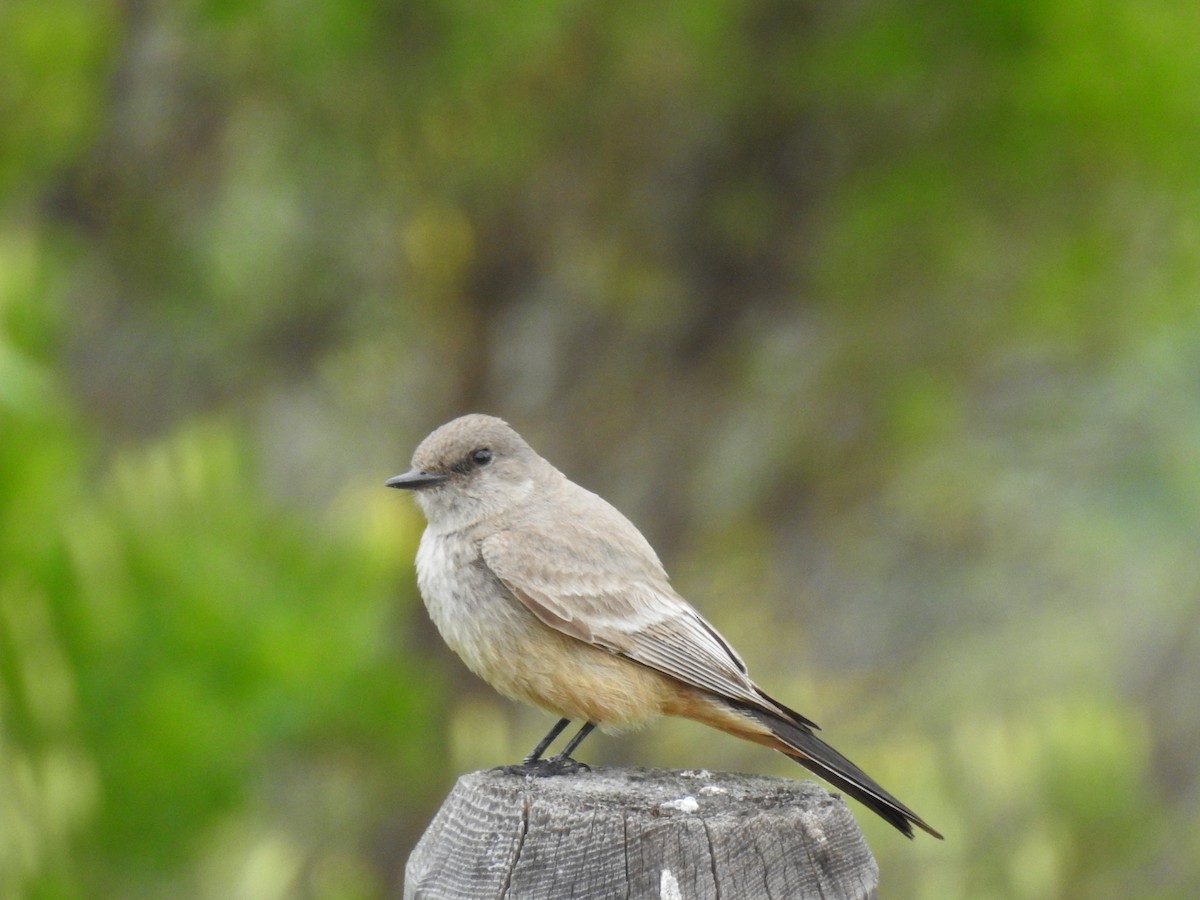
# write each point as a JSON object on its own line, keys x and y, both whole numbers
{"x": 633, "y": 833}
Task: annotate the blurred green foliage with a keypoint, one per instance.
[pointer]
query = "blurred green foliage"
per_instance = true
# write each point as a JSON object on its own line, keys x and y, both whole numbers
{"x": 178, "y": 652}
{"x": 880, "y": 319}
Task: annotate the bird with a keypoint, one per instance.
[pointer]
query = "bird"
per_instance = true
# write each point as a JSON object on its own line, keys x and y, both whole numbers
{"x": 552, "y": 596}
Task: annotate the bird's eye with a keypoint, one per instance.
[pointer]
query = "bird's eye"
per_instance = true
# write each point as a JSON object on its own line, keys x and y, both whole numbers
{"x": 482, "y": 456}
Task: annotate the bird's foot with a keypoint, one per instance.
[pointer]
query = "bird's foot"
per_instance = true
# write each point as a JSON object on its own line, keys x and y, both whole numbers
{"x": 546, "y": 768}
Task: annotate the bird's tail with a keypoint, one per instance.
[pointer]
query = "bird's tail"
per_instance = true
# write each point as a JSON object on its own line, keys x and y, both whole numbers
{"x": 814, "y": 754}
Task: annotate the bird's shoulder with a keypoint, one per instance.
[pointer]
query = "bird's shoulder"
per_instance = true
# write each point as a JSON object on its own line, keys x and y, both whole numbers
{"x": 576, "y": 531}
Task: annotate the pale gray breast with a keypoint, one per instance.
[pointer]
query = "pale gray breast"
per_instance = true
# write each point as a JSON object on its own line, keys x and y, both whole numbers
{"x": 472, "y": 610}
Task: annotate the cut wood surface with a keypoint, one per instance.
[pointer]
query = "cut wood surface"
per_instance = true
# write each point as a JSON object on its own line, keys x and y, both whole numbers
{"x": 634, "y": 833}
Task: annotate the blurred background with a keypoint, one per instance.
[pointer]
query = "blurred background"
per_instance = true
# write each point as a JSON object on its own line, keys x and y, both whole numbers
{"x": 880, "y": 319}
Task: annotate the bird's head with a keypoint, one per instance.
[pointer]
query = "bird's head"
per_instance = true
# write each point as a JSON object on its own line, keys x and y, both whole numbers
{"x": 471, "y": 468}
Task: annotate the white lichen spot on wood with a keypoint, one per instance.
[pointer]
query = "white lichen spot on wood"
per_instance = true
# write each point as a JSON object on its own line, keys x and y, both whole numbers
{"x": 684, "y": 804}
{"x": 668, "y": 886}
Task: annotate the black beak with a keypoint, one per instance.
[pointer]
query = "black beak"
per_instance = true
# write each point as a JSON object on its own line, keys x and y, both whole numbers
{"x": 415, "y": 480}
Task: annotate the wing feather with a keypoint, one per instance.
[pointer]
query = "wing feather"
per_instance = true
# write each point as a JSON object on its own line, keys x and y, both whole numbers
{"x": 590, "y": 584}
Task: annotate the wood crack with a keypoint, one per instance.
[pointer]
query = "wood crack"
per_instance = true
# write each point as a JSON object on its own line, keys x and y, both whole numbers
{"x": 516, "y": 859}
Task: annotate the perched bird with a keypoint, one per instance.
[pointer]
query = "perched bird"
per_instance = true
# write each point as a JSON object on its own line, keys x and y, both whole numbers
{"x": 554, "y": 598}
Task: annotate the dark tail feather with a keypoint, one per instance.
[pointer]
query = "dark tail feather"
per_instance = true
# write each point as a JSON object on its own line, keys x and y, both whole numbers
{"x": 817, "y": 756}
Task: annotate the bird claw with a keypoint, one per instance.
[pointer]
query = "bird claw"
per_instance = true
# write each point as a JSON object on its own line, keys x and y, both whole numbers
{"x": 546, "y": 768}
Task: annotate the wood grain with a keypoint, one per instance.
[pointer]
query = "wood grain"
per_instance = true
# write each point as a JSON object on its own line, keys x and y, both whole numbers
{"x": 639, "y": 833}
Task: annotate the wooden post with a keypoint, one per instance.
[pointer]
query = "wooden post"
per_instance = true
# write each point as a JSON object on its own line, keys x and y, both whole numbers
{"x": 634, "y": 833}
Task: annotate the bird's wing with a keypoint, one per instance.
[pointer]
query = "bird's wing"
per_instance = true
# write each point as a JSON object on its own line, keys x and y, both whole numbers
{"x": 591, "y": 584}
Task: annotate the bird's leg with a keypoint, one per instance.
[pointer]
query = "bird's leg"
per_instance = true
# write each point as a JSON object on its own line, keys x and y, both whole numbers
{"x": 564, "y": 755}
{"x": 536, "y": 753}
{"x": 533, "y": 766}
